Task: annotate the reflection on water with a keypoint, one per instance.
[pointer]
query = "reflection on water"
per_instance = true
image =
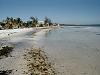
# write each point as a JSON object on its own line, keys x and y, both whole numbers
{"x": 74, "y": 47}
{"x": 47, "y": 33}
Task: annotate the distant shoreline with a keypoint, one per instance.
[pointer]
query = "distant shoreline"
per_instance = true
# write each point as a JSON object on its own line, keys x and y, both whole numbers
{"x": 79, "y": 25}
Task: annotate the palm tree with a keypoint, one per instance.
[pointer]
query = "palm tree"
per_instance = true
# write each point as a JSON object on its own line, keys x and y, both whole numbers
{"x": 29, "y": 24}
{"x": 8, "y": 23}
{"x": 47, "y": 21}
{"x": 19, "y": 22}
{"x": 34, "y": 21}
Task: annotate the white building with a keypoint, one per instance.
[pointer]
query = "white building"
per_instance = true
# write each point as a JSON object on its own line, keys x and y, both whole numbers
{"x": 40, "y": 22}
{"x": 1, "y": 27}
{"x": 58, "y": 25}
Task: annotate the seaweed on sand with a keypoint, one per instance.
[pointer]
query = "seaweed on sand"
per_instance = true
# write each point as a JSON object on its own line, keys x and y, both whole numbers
{"x": 38, "y": 63}
{"x": 5, "y": 51}
{"x": 7, "y": 72}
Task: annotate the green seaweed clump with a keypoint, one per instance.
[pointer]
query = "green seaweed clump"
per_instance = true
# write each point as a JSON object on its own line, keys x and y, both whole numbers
{"x": 5, "y": 51}
{"x": 7, "y": 72}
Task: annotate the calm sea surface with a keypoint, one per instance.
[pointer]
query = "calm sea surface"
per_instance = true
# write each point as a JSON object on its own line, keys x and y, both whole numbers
{"x": 75, "y": 50}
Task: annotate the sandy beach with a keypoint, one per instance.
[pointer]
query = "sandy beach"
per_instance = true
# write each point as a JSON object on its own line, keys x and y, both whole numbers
{"x": 23, "y": 40}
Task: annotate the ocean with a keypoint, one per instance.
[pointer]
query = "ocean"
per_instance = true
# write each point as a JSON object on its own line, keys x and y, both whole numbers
{"x": 75, "y": 50}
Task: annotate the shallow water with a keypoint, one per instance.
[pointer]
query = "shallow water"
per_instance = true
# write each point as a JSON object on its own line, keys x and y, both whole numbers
{"x": 75, "y": 50}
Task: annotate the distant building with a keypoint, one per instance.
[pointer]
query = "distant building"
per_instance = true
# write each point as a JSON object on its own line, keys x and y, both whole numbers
{"x": 0, "y": 26}
{"x": 58, "y": 25}
{"x": 40, "y": 22}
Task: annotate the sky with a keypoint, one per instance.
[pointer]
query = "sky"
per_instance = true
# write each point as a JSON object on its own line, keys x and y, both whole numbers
{"x": 59, "y": 11}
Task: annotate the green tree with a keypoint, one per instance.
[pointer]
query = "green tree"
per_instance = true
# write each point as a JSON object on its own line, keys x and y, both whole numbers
{"x": 29, "y": 23}
{"x": 47, "y": 21}
{"x": 34, "y": 21}
{"x": 19, "y": 22}
{"x": 8, "y": 23}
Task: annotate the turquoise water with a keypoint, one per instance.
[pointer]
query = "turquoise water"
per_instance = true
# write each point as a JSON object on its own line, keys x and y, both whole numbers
{"x": 75, "y": 50}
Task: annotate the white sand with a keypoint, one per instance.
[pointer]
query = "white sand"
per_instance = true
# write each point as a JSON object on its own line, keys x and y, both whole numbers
{"x": 21, "y": 39}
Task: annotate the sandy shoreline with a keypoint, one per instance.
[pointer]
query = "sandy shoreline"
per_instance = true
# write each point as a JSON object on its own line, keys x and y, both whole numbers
{"x": 22, "y": 40}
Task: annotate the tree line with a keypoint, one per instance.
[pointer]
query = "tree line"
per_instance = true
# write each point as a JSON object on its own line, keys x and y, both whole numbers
{"x": 11, "y": 23}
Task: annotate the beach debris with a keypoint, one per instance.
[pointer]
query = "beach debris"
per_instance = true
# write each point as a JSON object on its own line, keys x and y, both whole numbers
{"x": 38, "y": 63}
